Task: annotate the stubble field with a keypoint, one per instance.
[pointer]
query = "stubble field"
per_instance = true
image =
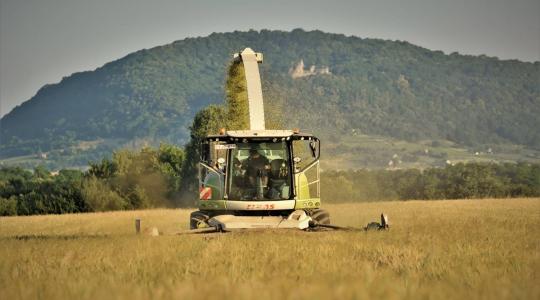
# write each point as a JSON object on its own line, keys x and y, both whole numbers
{"x": 481, "y": 249}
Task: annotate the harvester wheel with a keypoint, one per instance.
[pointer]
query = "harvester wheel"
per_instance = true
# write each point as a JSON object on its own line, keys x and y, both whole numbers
{"x": 320, "y": 216}
{"x": 198, "y": 219}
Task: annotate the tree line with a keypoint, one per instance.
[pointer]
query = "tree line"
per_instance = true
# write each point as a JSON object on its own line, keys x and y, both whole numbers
{"x": 460, "y": 181}
{"x": 153, "y": 178}
{"x": 129, "y": 180}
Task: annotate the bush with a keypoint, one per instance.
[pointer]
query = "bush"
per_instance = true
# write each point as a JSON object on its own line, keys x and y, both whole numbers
{"x": 99, "y": 197}
{"x": 8, "y": 207}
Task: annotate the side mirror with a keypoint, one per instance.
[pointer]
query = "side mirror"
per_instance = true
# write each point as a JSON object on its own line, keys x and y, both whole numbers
{"x": 313, "y": 148}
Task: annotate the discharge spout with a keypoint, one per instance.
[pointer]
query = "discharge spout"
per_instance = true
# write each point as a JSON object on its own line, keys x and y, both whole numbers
{"x": 250, "y": 59}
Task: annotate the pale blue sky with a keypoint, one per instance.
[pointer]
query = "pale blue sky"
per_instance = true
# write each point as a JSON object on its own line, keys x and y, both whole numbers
{"x": 43, "y": 40}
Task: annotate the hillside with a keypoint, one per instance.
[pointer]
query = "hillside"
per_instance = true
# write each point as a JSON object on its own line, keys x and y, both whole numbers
{"x": 356, "y": 86}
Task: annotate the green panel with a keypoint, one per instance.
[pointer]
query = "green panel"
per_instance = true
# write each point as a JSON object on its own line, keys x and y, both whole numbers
{"x": 302, "y": 188}
{"x": 308, "y": 203}
{"x": 212, "y": 204}
{"x": 213, "y": 181}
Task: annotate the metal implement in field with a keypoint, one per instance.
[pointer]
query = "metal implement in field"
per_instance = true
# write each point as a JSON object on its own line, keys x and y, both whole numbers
{"x": 258, "y": 178}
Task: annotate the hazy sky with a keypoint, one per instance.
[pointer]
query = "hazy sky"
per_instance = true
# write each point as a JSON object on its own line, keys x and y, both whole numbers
{"x": 43, "y": 40}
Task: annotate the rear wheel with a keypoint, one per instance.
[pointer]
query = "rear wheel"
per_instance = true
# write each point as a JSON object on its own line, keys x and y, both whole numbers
{"x": 320, "y": 216}
{"x": 198, "y": 219}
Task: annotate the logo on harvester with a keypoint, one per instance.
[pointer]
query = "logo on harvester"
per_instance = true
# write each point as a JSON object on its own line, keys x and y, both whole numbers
{"x": 205, "y": 193}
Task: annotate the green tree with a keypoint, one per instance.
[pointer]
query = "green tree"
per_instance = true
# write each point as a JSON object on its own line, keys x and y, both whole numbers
{"x": 171, "y": 161}
{"x": 98, "y": 196}
{"x": 103, "y": 169}
{"x": 8, "y": 207}
{"x": 207, "y": 121}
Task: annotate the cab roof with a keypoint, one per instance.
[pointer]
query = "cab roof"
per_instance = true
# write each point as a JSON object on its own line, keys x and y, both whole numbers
{"x": 261, "y": 134}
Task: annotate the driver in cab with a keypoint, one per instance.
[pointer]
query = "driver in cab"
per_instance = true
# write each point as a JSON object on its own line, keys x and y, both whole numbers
{"x": 256, "y": 165}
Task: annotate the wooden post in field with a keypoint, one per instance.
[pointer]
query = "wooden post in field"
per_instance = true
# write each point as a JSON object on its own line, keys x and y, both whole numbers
{"x": 137, "y": 226}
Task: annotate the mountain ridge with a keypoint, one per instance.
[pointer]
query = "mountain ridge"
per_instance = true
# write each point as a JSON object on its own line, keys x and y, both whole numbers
{"x": 381, "y": 87}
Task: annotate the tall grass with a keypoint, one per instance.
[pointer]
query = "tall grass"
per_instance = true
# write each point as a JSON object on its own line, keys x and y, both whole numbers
{"x": 486, "y": 249}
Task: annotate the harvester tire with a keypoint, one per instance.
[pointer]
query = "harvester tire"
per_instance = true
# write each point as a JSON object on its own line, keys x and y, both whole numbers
{"x": 198, "y": 219}
{"x": 320, "y": 216}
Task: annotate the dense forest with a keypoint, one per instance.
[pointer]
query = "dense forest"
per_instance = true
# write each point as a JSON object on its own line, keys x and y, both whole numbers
{"x": 367, "y": 86}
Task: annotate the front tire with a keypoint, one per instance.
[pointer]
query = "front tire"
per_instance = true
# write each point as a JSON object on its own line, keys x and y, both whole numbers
{"x": 198, "y": 219}
{"x": 320, "y": 216}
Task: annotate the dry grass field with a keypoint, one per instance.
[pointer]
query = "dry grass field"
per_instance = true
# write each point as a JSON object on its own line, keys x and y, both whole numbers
{"x": 479, "y": 249}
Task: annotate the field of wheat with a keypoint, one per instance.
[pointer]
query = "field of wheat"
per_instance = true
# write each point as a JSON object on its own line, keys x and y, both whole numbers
{"x": 487, "y": 249}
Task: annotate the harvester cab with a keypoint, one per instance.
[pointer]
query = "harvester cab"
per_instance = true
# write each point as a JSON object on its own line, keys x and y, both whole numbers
{"x": 258, "y": 178}
{"x": 249, "y": 170}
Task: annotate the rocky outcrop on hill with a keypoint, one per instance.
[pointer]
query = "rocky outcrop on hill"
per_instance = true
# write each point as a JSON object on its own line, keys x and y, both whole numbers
{"x": 299, "y": 70}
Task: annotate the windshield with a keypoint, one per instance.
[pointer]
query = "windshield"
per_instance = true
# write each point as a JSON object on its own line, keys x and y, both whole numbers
{"x": 260, "y": 171}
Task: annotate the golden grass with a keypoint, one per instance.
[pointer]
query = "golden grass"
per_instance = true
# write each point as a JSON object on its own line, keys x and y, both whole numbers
{"x": 487, "y": 249}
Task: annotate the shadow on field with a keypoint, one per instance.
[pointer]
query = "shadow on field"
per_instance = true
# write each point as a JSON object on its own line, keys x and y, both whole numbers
{"x": 56, "y": 237}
